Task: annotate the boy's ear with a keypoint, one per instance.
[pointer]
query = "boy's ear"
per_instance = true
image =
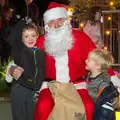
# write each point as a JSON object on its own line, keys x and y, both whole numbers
{"x": 98, "y": 65}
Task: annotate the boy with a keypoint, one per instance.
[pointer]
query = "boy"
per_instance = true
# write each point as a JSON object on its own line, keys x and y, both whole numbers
{"x": 98, "y": 80}
{"x": 26, "y": 55}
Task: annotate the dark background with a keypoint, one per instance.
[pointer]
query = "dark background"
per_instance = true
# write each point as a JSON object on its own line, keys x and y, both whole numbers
{"x": 43, "y": 4}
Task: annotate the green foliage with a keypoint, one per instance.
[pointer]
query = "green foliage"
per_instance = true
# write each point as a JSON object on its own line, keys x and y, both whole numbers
{"x": 3, "y": 85}
{"x": 84, "y": 8}
{"x": 2, "y": 77}
{"x": 2, "y": 71}
{"x": 117, "y": 3}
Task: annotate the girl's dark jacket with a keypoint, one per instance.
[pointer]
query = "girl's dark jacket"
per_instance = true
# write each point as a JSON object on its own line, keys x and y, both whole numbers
{"x": 32, "y": 61}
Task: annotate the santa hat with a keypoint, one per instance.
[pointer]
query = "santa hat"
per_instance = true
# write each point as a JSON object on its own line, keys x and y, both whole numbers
{"x": 54, "y": 11}
{"x": 111, "y": 72}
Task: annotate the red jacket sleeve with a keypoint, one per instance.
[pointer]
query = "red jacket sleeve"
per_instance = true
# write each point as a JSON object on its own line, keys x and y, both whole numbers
{"x": 40, "y": 42}
{"x": 85, "y": 43}
{"x": 88, "y": 43}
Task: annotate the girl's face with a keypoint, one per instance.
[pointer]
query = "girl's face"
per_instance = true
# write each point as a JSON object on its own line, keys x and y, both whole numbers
{"x": 98, "y": 15}
{"x": 29, "y": 38}
{"x": 91, "y": 63}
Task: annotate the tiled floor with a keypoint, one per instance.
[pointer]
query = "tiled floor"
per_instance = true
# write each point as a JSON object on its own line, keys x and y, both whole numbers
{"x": 5, "y": 111}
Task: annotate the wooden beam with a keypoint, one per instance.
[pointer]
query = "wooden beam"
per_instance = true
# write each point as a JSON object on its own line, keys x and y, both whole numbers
{"x": 111, "y": 11}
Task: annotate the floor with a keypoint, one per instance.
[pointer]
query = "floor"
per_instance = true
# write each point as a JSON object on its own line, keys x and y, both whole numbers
{"x": 5, "y": 111}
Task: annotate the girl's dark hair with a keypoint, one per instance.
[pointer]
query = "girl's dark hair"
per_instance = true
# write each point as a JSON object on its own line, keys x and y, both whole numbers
{"x": 91, "y": 13}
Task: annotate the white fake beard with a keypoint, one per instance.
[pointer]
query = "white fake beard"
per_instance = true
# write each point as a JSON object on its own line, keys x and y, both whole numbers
{"x": 58, "y": 41}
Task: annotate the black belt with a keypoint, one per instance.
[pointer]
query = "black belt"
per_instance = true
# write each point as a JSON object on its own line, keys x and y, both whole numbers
{"x": 48, "y": 79}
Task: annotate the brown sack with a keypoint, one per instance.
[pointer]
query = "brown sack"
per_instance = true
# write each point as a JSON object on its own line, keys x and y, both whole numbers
{"x": 68, "y": 104}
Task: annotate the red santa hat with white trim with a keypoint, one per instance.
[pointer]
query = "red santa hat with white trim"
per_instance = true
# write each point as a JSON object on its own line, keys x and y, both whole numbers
{"x": 55, "y": 11}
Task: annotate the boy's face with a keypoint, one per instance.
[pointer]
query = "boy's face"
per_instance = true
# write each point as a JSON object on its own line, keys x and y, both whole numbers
{"x": 92, "y": 64}
{"x": 29, "y": 38}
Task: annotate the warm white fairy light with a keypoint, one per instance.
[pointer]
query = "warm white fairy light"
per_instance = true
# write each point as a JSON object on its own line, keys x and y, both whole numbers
{"x": 107, "y": 32}
{"x": 111, "y": 3}
{"x": 109, "y": 18}
{"x": 81, "y": 25}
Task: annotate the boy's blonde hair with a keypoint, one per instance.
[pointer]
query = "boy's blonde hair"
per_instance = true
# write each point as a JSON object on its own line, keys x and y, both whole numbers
{"x": 31, "y": 26}
{"x": 102, "y": 57}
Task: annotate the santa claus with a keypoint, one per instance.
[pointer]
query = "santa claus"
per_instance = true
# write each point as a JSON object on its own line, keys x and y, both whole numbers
{"x": 66, "y": 51}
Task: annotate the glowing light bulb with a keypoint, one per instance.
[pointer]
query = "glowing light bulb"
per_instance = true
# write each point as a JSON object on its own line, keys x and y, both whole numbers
{"x": 81, "y": 25}
{"x": 109, "y": 18}
{"x": 111, "y": 3}
{"x": 107, "y": 32}
{"x": 70, "y": 11}
{"x": 105, "y": 48}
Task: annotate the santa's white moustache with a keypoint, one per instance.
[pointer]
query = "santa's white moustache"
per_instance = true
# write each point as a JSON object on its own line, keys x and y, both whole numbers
{"x": 58, "y": 41}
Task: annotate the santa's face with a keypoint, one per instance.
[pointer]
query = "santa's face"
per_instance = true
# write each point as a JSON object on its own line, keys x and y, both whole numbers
{"x": 58, "y": 37}
{"x": 57, "y": 23}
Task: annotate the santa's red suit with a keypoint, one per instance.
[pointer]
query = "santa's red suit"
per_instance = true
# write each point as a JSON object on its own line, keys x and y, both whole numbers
{"x": 68, "y": 65}
{"x": 67, "y": 68}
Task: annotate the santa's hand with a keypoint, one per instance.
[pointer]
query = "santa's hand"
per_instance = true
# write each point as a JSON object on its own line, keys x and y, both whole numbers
{"x": 16, "y": 71}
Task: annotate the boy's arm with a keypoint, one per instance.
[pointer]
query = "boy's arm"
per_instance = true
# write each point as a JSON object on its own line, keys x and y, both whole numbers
{"x": 15, "y": 38}
{"x": 101, "y": 87}
{"x": 15, "y": 33}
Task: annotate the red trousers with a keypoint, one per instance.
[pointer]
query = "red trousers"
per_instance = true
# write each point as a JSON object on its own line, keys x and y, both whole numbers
{"x": 45, "y": 104}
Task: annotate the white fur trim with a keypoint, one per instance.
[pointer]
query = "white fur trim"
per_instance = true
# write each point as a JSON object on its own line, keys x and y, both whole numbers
{"x": 115, "y": 80}
{"x": 44, "y": 85}
{"x": 8, "y": 77}
{"x": 81, "y": 85}
{"x": 54, "y": 13}
{"x": 62, "y": 69}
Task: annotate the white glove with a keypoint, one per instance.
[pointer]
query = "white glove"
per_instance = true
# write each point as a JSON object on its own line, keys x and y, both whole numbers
{"x": 28, "y": 20}
{"x": 8, "y": 77}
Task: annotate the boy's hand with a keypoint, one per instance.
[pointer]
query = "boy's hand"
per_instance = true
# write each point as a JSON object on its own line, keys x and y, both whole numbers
{"x": 16, "y": 71}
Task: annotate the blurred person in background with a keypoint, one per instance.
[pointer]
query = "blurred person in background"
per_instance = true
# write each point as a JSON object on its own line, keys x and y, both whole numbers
{"x": 93, "y": 26}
